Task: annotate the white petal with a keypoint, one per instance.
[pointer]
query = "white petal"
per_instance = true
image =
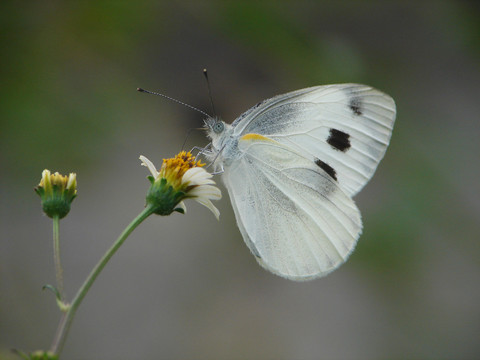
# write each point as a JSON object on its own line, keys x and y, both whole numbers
{"x": 47, "y": 179}
{"x": 197, "y": 176}
{"x": 71, "y": 180}
{"x": 192, "y": 173}
{"x": 206, "y": 191}
{"x": 209, "y": 205}
{"x": 149, "y": 164}
{"x": 45, "y": 173}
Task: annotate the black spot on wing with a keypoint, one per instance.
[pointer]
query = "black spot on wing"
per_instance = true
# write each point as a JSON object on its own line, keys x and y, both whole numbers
{"x": 327, "y": 168}
{"x": 339, "y": 140}
{"x": 355, "y": 105}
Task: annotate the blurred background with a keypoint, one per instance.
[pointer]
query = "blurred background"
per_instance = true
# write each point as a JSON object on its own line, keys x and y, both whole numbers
{"x": 186, "y": 286}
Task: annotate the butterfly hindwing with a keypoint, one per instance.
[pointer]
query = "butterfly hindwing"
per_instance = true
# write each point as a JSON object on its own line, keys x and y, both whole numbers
{"x": 292, "y": 214}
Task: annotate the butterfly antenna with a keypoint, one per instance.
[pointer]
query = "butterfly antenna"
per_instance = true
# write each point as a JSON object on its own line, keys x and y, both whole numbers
{"x": 174, "y": 100}
{"x": 209, "y": 92}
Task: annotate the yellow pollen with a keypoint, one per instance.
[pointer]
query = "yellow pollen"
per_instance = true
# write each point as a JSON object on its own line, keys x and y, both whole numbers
{"x": 173, "y": 169}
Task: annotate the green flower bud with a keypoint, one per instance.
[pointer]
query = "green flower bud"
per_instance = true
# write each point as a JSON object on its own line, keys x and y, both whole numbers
{"x": 57, "y": 193}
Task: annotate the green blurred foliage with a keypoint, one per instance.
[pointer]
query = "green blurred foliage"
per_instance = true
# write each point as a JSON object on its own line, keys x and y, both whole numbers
{"x": 61, "y": 78}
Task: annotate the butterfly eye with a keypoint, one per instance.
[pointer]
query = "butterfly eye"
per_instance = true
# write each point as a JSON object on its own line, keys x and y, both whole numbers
{"x": 218, "y": 127}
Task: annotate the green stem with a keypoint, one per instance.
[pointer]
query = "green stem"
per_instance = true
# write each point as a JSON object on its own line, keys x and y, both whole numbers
{"x": 67, "y": 317}
{"x": 56, "y": 256}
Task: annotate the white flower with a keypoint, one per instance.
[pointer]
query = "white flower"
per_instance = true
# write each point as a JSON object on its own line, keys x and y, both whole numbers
{"x": 180, "y": 178}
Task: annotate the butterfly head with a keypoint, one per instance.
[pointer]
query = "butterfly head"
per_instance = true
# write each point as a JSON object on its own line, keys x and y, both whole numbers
{"x": 214, "y": 127}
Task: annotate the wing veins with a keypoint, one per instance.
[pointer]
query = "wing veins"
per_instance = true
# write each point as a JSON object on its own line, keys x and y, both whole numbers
{"x": 344, "y": 116}
{"x": 300, "y": 206}
{"x": 258, "y": 204}
{"x": 276, "y": 201}
{"x": 327, "y": 177}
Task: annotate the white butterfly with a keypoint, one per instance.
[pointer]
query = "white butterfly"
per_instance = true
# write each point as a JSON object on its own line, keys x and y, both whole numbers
{"x": 291, "y": 165}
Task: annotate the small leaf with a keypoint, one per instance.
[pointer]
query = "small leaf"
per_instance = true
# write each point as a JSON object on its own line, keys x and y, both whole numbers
{"x": 54, "y": 290}
{"x": 21, "y": 354}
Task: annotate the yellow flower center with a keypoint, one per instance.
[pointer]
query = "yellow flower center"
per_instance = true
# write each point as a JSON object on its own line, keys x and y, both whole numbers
{"x": 173, "y": 169}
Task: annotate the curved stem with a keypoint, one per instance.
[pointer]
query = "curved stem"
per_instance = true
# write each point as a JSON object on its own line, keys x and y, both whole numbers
{"x": 56, "y": 256}
{"x": 67, "y": 317}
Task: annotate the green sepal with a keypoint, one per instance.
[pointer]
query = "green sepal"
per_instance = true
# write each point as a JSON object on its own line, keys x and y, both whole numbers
{"x": 39, "y": 190}
{"x": 180, "y": 210}
{"x": 163, "y": 197}
{"x": 56, "y": 202}
{"x": 36, "y": 355}
{"x": 56, "y": 206}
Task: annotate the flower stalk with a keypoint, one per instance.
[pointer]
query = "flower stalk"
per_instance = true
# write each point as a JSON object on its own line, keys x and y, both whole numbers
{"x": 56, "y": 257}
{"x": 67, "y": 318}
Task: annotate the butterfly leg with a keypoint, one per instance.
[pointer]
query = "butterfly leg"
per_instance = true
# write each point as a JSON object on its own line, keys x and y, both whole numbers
{"x": 201, "y": 150}
{"x": 221, "y": 171}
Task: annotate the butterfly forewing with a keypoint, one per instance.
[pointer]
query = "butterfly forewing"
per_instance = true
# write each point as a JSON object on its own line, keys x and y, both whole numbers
{"x": 347, "y": 127}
